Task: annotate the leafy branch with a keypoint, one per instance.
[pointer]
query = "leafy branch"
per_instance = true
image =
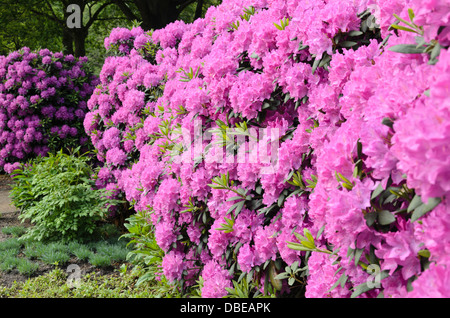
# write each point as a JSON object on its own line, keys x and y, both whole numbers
{"x": 223, "y": 182}
{"x": 344, "y": 181}
{"x": 307, "y": 243}
{"x": 283, "y": 24}
{"x": 433, "y": 48}
{"x": 412, "y": 27}
{"x": 188, "y": 75}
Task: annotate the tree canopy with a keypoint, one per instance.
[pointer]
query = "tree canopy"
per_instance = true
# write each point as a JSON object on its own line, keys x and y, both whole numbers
{"x": 45, "y": 23}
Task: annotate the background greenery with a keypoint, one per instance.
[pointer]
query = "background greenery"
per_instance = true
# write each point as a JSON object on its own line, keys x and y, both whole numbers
{"x": 42, "y": 23}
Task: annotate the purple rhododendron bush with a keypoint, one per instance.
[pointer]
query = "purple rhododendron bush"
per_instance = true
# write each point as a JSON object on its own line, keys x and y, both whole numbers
{"x": 286, "y": 148}
{"x": 43, "y": 101}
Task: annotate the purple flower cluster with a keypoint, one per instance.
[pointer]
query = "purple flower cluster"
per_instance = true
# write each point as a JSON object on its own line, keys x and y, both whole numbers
{"x": 362, "y": 136}
{"x": 43, "y": 101}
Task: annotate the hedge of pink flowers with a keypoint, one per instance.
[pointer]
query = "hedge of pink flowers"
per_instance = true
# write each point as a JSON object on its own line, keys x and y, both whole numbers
{"x": 355, "y": 203}
{"x": 43, "y": 101}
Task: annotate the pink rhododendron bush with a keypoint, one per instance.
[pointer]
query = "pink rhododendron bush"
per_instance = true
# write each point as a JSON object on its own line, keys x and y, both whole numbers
{"x": 43, "y": 101}
{"x": 286, "y": 147}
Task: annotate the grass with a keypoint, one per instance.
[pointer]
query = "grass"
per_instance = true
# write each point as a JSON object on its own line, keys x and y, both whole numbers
{"x": 25, "y": 255}
{"x": 15, "y": 231}
{"x": 27, "y": 267}
{"x": 125, "y": 281}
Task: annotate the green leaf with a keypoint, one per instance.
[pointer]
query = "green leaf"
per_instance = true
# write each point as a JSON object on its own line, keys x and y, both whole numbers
{"x": 280, "y": 200}
{"x": 341, "y": 281}
{"x": 379, "y": 189}
{"x": 358, "y": 254}
{"x": 278, "y": 27}
{"x": 406, "y": 49}
{"x": 370, "y": 218}
{"x": 297, "y": 247}
{"x": 424, "y": 208}
{"x": 400, "y": 27}
{"x": 388, "y": 122}
{"x": 315, "y": 65}
{"x": 385, "y": 217}
{"x": 347, "y": 44}
{"x": 234, "y": 199}
{"x": 309, "y": 245}
{"x": 319, "y": 233}
{"x": 415, "y": 202}
{"x": 411, "y": 14}
{"x": 404, "y": 21}
{"x": 309, "y": 236}
{"x": 355, "y": 33}
{"x": 424, "y": 253}
{"x": 435, "y": 52}
{"x": 360, "y": 289}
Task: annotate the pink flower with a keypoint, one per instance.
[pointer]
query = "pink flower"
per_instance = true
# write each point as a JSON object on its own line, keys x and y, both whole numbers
{"x": 173, "y": 265}
{"x": 322, "y": 277}
{"x": 216, "y": 279}
{"x": 116, "y": 156}
{"x": 433, "y": 283}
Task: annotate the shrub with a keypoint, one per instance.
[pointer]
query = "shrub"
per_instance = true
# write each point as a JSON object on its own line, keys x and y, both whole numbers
{"x": 81, "y": 252}
{"x": 15, "y": 231}
{"x": 51, "y": 256}
{"x": 42, "y": 104}
{"x": 100, "y": 260}
{"x": 34, "y": 250}
{"x": 12, "y": 244}
{"x": 27, "y": 267}
{"x": 351, "y": 103}
{"x": 57, "y": 195}
{"x": 9, "y": 263}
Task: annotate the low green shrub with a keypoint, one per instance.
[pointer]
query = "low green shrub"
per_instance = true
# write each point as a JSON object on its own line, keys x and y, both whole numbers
{"x": 57, "y": 194}
{"x": 34, "y": 250}
{"x": 82, "y": 252}
{"x": 11, "y": 244}
{"x": 4, "y": 254}
{"x": 100, "y": 260}
{"x": 27, "y": 267}
{"x": 145, "y": 253}
{"x": 54, "y": 285}
{"x": 9, "y": 263}
{"x": 15, "y": 231}
{"x": 56, "y": 257}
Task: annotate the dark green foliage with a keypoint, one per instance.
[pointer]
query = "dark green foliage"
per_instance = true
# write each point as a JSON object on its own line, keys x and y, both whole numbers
{"x": 58, "y": 196}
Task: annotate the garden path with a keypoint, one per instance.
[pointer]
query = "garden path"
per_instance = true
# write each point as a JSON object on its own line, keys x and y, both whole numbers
{"x": 8, "y": 213}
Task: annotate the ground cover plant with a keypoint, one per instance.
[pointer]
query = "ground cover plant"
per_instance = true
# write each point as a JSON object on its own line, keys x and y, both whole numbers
{"x": 54, "y": 285}
{"x": 286, "y": 147}
{"x": 57, "y": 195}
{"x": 100, "y": 252}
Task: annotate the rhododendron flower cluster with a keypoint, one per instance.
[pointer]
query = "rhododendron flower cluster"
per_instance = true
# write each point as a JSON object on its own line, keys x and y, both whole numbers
{"x": 287, "y": 143}
{"x": 43, "y": 101}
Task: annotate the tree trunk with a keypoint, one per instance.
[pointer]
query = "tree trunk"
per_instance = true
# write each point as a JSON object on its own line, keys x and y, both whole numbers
{"x": 156, "y": 14}
{"x": 198, "y": 10}
{"x": 79, "y": 36}
{"x": 67, "y": 42}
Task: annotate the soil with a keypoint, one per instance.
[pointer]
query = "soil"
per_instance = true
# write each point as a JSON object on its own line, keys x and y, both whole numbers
{"x": 9, "y": 217}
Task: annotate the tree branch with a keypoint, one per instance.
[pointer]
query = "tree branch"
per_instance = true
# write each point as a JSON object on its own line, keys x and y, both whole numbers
{"x": 198, "y": 9}
{"x": 48, "y": 16}
{"x": 183, "y": 5}
{"x": 96, "y": 14}
{"x": 126, "y": 10}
